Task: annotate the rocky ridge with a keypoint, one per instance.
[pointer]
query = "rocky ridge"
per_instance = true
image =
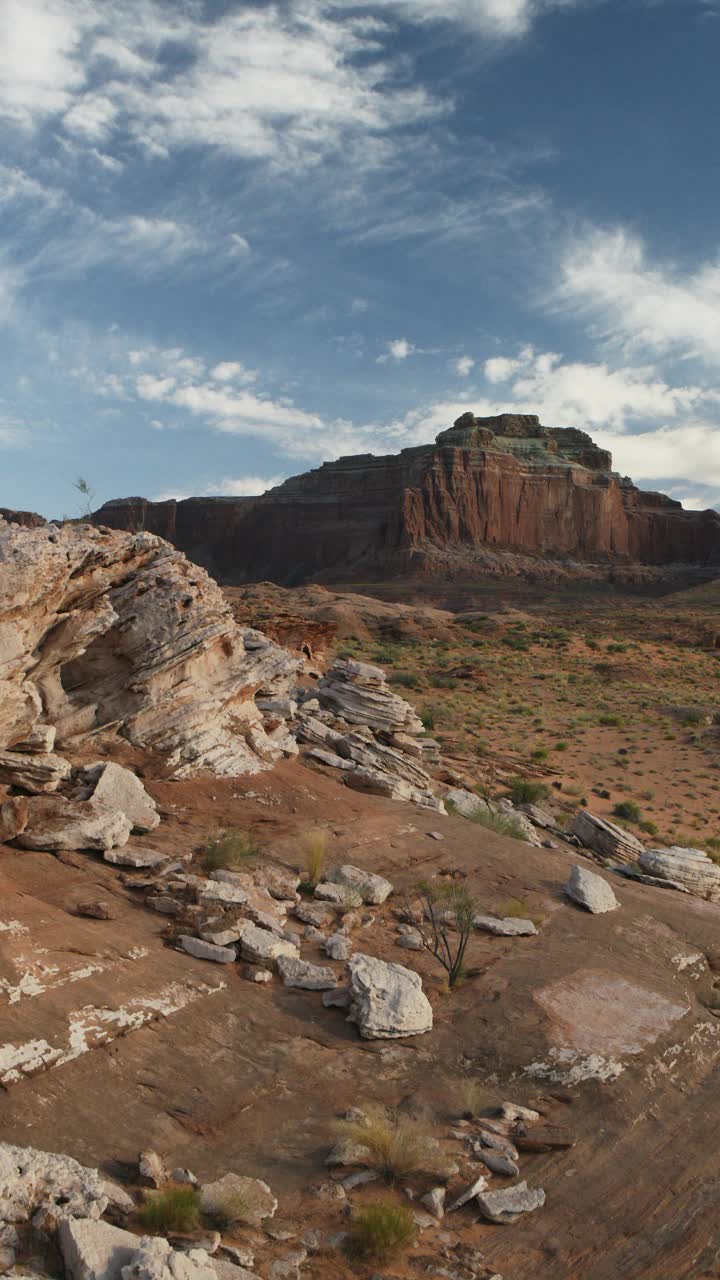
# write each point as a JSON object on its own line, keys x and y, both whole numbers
{"x": 497, "y": 495}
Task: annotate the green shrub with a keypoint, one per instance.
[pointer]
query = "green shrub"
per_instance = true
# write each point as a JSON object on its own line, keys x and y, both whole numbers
{"x": 540, "y": 753}
{"x": 428, "y": 718}
{"x": 610, "y": 722}
{"x": 381, "y": 1230}
{"x": 175, "y": 1209}
{"x": 649, "y": 827}
{"x": 561, "y": 746}
{"x": 230, "y": 850}
{"x": 407, "y": 679}
{"x": 628, "y": 810}
{"x": 503, "y": 824}
{"x": 523, "y": 791}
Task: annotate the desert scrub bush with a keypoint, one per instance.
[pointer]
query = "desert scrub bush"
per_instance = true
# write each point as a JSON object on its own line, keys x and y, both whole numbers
{"x": 174, "y": 1209}
{"x": 314, "y": 847}
{"x": 540, "y": 753}
{"x": 406, "y": 679}
{"x": 628, "y": 810}
{"x": 518, "y": 909}
{"x": 394, "y": 1144}
{"x": 503, "y": 824}
{"x": 447, "y": 921}
{"x": 471, "y": 1096}
{"x": 381, "y": 1230}
{"x": 229, "y": 850}
{"x": 650, "y": 828}
{"x": 428, "y": 718}
{"x": 523, "y": 791}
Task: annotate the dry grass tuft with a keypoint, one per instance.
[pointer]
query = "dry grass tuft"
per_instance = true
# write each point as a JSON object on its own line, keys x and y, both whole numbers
{"x": 175, "y": 1209}
{"x": 314, "y": 846}
{"x": 396, "y": 1145}
{"x": 229, "y": 851}
{"x": 381, "y": 1230}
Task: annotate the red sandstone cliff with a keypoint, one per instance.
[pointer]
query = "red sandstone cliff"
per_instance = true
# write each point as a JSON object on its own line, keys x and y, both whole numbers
{"x": 487, "y": 485}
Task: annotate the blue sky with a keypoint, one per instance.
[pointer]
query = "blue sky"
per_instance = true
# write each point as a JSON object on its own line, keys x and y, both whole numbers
{"x": 239, "y": 239}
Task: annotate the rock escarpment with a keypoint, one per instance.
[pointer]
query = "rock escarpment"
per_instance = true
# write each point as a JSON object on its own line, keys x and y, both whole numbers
{"x": 485, "y": 488}
{"x": 118, "y": 631}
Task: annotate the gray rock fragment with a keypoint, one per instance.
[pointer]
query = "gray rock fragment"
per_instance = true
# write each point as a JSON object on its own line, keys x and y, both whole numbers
{"x": 590, "y": 891}
{"x": 506, "y": 1206}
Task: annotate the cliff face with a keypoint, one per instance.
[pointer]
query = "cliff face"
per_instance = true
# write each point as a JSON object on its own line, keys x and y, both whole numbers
{"x": 487, "y": 485}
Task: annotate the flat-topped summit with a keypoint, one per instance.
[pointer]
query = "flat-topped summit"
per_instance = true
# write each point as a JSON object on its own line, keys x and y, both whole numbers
{"x": 488, "y": 491}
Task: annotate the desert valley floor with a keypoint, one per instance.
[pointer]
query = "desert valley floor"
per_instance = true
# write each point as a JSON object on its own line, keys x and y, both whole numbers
{"x": 116, "y": 1042}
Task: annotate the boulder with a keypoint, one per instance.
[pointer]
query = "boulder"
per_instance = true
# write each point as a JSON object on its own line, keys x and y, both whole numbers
{"x": 207, "y": 950}
{"x": 115, "y": 787}
{"x": 151, "y": 1167}
{"x": 220, "y": 933}
{"x": 57, "y": 823}
{"x": 218, "y": 891}
{"x": 466, "y": 803}
{"x": 505, "y": 1207}
{"x": 32, "y": 1180}
{"x": 388, "y": 1001}
{"x": 498, "y": 1163}
{"x": 14, "y": 815}
{"x": 138, "y": 856}
{"x": 474, "y": 1189}
{"x": 338, "y": 947}
{"x": 373, "y": 889}
{"x": 95, "y": 1250}
{"x": 508, "y": 927}
{"x": 300, "y": 973}
{"x": 434, "y": 1201}
{"x": 260, "y": 946}
{"x": 40, "y": 774}
{"x": 155, "y": 1259}
{"x": 590, "y": 891}
{"x": 251, "y": 1199}
{"x": 690, "y": 868}
{"x": 604, "y": 838}
{"x": 358, "y": 692}
{"x": 39, "y": 741}
{"x": 106, "y": 628}
{"x": 339, "y": 894}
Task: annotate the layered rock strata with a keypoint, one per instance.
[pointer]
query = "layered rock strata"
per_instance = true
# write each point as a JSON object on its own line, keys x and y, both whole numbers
{"x": 485, "y": 487}
{"x": 118, "y": 631}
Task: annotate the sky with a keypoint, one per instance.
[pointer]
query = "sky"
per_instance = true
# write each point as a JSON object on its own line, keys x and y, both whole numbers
{"x": 239, "y": 239}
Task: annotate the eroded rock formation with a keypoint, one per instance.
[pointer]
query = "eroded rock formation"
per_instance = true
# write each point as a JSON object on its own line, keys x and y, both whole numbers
{"x": 102, "y": 629}
{"x": 487, "y": 486}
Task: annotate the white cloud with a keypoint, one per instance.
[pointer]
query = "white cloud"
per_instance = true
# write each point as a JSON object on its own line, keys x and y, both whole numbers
{"x": 573, "y": 393}
{"x": 464, "y": 365}
{"x": 92, "y": 117}
{"x": 286, "y": 83}
{"x": 38, "y": 70}
{"x": 398, "y": 349}
{"x": 232, "y": 371}
{"x": 606, "y": 275}
{"x": 228, "y": 487}
{"x": 669, "y": 455}
{"x": 239, "y": 245}
{"x": 502, "y": 19}
{"x": 358, "y": 306}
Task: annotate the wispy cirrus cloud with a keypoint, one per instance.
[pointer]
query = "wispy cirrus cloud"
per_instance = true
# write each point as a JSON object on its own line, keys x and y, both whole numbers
{"x": 285, "y": 83}
{"x": 609, "y": 277}
{"x": 503, "y": 19}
